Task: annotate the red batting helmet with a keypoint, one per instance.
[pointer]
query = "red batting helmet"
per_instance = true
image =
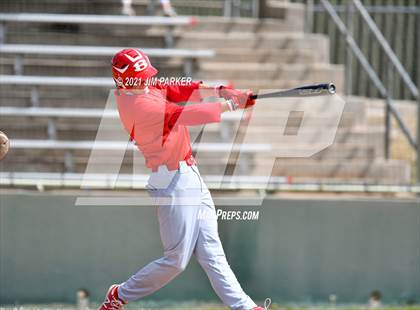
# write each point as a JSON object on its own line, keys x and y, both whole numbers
{"x": 130, "y": 67}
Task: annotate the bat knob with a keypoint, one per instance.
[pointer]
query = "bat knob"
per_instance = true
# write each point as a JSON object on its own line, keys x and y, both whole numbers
{"x": 332, "y": 89}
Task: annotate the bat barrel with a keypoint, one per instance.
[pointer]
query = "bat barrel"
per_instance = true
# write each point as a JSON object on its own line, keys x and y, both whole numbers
{"x": 303, "y": 91}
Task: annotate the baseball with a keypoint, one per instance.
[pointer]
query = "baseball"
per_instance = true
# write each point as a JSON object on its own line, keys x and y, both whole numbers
{"x": 4, "y": 145}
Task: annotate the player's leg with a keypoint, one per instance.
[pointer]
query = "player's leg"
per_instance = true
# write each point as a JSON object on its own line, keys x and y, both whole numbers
{"x": 178, "y": 238}
{"x": 168, "y": 9}
{"x": 127, "y": 8}
{"x": 179, "y": 233}
{"x": 211, "y": 256}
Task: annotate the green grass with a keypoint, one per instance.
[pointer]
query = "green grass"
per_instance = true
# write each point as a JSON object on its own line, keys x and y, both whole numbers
{"x": 209, "y": 306}
{"x": 199, "y": 306}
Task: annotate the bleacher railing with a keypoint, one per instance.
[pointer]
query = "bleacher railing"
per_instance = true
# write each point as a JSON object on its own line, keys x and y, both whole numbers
{"x": 227, "y": 8}
{"x": 67, "y": 19}
{"x": 398, "y": 21}
{"x": 394, "y": 68}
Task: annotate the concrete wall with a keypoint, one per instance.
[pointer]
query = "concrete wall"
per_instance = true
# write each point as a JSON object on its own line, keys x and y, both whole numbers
{"x": 299, "y": 250}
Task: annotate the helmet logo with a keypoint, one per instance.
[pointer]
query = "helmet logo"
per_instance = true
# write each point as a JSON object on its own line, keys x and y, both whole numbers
{"x": 121, "y": 70}
{"x": 139, "y": 62}
{"x": 140, "y": 65}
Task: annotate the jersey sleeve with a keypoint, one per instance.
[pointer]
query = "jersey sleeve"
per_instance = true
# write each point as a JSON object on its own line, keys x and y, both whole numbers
{"x": 196, "y": 114}
{"x": 184, "y": 93}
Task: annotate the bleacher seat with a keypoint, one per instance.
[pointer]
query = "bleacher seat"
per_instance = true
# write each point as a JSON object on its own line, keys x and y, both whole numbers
{"x": 256, "y": 54}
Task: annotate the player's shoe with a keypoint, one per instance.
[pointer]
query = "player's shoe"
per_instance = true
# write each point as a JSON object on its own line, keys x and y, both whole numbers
{"x": 112, "y": 301}
{"x": 168, "y": 10}
{"x": 128, "y": 10}
{"x": 267, "y": 304}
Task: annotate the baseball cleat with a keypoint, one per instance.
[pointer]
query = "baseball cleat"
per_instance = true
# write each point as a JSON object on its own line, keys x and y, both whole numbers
{"x": 112, "y": 301}
{"x": 267, "y": 304}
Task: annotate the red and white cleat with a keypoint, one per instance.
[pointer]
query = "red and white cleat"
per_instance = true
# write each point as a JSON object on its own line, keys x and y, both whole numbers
{"x": 112, "y": 301}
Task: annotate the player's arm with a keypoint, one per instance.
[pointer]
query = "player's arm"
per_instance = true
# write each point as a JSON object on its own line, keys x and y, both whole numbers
{"x": 196, "y": 91}
{"x": 183, "y": 93}
{"x": 191, "y": 92}
{"x": 195, "y": 114}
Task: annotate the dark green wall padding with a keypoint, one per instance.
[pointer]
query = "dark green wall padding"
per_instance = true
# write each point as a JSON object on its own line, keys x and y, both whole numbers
{"x": 298, "y": 251}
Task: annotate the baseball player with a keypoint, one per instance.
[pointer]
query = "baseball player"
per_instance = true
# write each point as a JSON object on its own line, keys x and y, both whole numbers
{"x": 158, "y": 126}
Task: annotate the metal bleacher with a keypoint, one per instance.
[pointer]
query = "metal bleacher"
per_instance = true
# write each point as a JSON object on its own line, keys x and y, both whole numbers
{"x": 72, "y": 112}
{"x": 36, "y": 82}
{"x": 169, "y": 22}
{"x": 97, "y": 19}
{"x": 55, "y": 82}
{"x": 69, "y": 147}
{"x": 55, "y": 115}
{"x": 18, "y": 51}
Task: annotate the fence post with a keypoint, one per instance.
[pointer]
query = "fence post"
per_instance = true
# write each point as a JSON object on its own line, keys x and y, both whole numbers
{"x": 309, "y": 23}
{"x": 151, "y": 8}
{"x": 387, "y": 118}
{"x": 169, "y": 37}
{"x": 2, "y": 33}
{"x": 349, "y": 55}
{"x": 236, "y": 10}
{"x": 18, "y": 65}
{"x": 188, "y": 67}
{"x": 256, "y": 8}
{"x": 35, "y": 96}
{"x": 227, "y": 9}
{"x": 418, "y": 98}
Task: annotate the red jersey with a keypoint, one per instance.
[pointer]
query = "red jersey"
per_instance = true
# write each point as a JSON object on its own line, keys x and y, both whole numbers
{"x": 159, "y": 126}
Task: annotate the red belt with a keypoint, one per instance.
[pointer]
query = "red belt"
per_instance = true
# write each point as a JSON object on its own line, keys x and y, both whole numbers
{"x": 189, "y": 160}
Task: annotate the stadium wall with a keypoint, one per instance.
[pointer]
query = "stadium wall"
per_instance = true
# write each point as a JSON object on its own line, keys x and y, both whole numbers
{"x": 300, "y": 250}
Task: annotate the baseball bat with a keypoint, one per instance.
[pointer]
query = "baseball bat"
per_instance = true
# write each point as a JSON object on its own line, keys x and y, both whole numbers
{"x": 303, "y": 91}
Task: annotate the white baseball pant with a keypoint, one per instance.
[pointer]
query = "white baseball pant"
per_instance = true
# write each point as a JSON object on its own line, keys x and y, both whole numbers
{"x": 180, "y": 195}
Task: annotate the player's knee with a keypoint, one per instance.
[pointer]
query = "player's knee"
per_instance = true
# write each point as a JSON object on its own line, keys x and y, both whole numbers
{"x": 181, "y": 265}
{"x": 178, "y": 263}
